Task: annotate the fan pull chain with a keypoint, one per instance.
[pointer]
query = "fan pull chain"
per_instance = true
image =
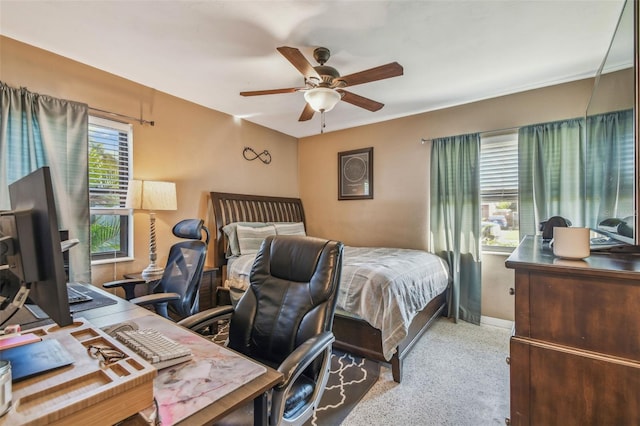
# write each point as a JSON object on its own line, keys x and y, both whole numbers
{"x": 322, "y": 123}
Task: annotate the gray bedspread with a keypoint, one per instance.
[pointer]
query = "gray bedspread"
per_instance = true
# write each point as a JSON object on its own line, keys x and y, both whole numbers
{"x": 387, "y": 287}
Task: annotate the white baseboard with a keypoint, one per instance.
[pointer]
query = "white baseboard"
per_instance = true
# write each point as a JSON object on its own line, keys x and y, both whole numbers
{"x": 496, "y": 322}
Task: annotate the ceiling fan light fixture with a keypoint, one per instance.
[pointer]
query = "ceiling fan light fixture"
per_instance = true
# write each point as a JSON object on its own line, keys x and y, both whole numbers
{"x": 322, "y": 99}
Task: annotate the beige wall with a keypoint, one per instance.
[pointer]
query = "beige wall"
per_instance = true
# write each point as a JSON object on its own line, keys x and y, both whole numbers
{"x": 614, "y": 92}
{"x": 398, "y": 216}
{"x": 198, "y": 148}
{"x": 201, "y": 150}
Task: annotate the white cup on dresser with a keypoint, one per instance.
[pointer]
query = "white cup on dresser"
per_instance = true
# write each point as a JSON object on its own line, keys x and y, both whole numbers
{"x": 571, "y": 243}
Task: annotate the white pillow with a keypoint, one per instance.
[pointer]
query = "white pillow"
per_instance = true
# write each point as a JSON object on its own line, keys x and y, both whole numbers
{"x": 290, "y": 228}
{"x": 233, "y": 248}
{"x": 250, "y": 239}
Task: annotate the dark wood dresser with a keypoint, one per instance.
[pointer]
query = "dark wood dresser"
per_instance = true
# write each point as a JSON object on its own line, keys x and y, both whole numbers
{"x": 575, "y": 352}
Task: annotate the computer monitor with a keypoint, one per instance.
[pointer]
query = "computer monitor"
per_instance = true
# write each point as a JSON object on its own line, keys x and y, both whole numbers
{"x": 619, "y": 229}
{"x": 31, "y": 228}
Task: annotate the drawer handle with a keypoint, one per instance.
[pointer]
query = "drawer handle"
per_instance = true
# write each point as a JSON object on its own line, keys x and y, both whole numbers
{"x": 512, "y": 291}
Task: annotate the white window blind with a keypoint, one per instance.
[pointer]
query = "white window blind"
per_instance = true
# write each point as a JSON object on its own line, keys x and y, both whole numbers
{"x": 499, "y": 168}
{"x": 499, "y": 191}
{"x": 109, "y": 163}
{"x": 110, "y": 160}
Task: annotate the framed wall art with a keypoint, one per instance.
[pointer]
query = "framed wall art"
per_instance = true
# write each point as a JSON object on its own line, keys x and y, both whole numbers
{"x": 355, "y": 174}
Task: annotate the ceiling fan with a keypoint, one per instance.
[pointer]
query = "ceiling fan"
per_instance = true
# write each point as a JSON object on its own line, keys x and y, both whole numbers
{"x": 324, "y": 86}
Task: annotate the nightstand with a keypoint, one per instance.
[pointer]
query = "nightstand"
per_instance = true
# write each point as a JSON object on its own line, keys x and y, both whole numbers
{"x": 211, "y": 279}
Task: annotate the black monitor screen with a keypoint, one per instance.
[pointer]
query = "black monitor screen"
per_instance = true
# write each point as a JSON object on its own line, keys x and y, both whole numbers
{"x": 37, "y": 259}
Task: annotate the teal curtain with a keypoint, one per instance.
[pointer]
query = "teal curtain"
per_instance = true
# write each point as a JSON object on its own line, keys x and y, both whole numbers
{"x": 610, "y": 166}
{"x": 551, "y": 173}
{"x": 38, "y": 130}
{"x": 580, "y": 169}
{"x": 455, "y": 220}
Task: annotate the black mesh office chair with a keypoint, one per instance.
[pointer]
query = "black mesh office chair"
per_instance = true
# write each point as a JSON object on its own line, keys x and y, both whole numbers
{"x": 176, "y": 294}
{"x": 284, "y": 320}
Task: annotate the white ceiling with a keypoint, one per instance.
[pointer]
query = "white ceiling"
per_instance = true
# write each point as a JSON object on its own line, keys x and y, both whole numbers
{"x": 453, "y": 52}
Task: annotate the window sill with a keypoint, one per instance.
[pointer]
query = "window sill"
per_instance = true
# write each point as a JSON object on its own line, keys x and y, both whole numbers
{"x": 113, "y": 260}
{"x": 497, "y": 250}
{"x": 496, "y": 253}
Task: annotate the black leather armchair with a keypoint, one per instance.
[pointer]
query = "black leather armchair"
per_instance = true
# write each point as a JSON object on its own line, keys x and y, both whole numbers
{"x": 284, "y": 320}
{"x": 176, "y": 294}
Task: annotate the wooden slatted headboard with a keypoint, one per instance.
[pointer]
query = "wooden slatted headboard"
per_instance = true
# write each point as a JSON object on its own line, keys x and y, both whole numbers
{"x": 229, "y": 208}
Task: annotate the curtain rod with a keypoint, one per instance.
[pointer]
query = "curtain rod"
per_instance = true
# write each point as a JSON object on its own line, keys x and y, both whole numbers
{"x": 115, "y": 114}
{"x": 423, "y": 140}
{"x": 139, "y": 120}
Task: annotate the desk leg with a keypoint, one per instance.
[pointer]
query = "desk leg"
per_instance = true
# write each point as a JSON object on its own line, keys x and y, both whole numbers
{"x": 260, "y": 410}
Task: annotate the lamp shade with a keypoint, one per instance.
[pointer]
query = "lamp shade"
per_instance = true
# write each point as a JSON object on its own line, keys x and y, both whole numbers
{"x": 322, "y": 98}
{"x": 151, "y": 195}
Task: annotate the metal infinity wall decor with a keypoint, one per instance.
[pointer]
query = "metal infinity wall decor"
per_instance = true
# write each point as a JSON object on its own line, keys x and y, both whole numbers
{"x": 250, "y": 154}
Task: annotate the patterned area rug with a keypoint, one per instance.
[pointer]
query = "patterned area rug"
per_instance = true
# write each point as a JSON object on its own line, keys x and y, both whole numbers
{"x": 350, "y": 379}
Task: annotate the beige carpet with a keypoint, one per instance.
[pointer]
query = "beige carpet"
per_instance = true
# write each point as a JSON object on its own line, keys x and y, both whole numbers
{"x": 455, "y": 375}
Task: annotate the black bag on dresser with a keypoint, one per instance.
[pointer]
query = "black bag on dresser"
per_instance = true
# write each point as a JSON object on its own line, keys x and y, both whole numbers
{"x": 547, "y": 226}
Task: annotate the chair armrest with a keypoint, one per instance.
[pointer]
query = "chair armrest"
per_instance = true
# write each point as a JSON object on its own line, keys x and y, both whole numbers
{"x": 128, "y": 286}
{"x": 295, "y": 364}
{"x": 155, "y": 298}
{"x": 160, "y": 302}
{"x": 205, "y": 318}
{"x": 302, "y": 356}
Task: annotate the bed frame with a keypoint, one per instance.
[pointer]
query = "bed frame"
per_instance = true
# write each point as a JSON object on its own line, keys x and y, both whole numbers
{"x": 353, "y": 334}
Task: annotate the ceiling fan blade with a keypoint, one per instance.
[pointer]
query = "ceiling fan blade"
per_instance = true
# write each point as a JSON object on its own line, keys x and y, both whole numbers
{"x": 307, "y": 113}
{"x": 393, "y": 69}
{"x": 271, "y": 92}
{"x": 298, "y": 60}
{"x": 360, "y": 101}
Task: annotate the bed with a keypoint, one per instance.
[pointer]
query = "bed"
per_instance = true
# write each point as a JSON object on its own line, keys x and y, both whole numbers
{"x": 383, "y": 307}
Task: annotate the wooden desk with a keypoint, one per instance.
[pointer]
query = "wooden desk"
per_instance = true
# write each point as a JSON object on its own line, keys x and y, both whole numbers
{"x": 253, "y": 389}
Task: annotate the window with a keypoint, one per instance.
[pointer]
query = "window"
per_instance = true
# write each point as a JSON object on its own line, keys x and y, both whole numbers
{"x": 499, "y": 192}
{"x": 110, "y": 152}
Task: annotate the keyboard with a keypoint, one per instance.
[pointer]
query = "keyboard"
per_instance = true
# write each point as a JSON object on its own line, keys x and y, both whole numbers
{"x": 76, "y": 296}
{"x": 603, "y": 243}
{"x": 159, "y": 350}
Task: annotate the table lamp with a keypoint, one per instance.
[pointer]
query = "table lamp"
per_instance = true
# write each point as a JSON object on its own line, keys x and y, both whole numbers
{"x": 152, "y": 196}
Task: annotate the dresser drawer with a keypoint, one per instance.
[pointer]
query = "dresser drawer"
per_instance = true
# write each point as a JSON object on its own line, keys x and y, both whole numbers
{"x": 559, "y": 386}
{"x": 591, "y": 313}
